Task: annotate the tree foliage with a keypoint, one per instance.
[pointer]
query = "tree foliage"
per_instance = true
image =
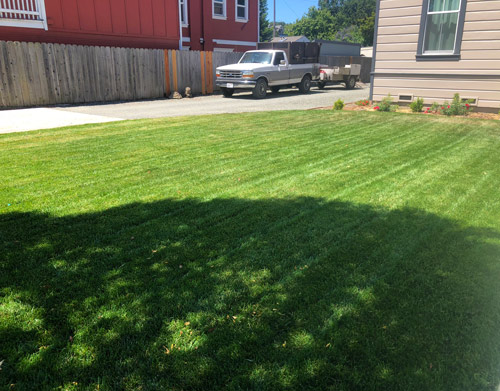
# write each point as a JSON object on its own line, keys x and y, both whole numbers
{"x": 345, "y": 20}
{"x": 266, "y": 32}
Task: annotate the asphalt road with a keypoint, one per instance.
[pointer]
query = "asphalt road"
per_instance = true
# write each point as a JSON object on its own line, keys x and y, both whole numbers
{"x": 216, "y": 104}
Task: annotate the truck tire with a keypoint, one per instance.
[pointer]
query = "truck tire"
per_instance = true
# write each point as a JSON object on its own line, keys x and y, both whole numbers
{"x": 321, "y": 85}
{"x": 350, "y": 83}
{"x": 275, "y": 90}
{"x": 260, "y": 89}
{"x": 227, "y": 92}
{"x": 305, "y": 84}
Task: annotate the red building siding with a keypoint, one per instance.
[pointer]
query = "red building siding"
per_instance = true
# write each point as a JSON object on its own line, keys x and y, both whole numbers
{"x": 201, "y": 24}
{"x": 126, "y": 23}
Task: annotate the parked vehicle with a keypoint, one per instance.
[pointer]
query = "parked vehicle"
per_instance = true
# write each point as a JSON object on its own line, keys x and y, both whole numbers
{"x": 281, "y": 65}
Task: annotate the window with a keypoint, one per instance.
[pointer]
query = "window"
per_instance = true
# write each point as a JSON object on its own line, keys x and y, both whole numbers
{"x": 257, "y": 58}
{"x": 184, "y": 12}
{"x": 278, "y": 57}
{"x": 242, "y": 10}
{"x": 441, "y": 29}
{"x": 219, "y": 9}
{"x": 29, "y": 14}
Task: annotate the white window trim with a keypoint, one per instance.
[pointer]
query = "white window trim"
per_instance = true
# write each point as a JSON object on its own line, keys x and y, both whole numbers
{"x": 235, "y": 43}
{"x": 25, "y": 23}
{"x": 437, "y": 52}
{"x": 236, "y": 6}
{"x": 184, "y": 4}
{"x": 224, "y": 8}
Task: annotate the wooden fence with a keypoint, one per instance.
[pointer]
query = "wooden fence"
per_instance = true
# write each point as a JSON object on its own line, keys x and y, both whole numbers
{"x": 36, "y": 74}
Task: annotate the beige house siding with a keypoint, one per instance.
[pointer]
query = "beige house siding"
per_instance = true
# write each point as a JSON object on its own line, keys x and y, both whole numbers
{"x": 475, "y": 75}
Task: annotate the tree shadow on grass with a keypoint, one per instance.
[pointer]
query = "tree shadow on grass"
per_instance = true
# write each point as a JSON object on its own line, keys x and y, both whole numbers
{"x": 234, "y": 294}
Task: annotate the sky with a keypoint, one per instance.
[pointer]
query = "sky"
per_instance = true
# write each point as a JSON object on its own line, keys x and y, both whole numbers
{"x": 290, "y": 10}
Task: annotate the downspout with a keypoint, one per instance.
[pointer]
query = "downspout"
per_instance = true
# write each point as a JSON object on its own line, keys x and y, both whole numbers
{"x": 202, "y": 38}
{"x": 180, "y": 25}
{"x": 374, "y": 56}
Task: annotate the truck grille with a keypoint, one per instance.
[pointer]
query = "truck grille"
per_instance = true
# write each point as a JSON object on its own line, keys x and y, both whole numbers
{"x": 230, "y": 75}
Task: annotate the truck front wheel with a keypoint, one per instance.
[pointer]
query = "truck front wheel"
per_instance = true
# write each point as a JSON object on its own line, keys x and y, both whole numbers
{"x": 227, "y": 92}
{"x": 305, "y": 84}
{"x": 260, "y": 89}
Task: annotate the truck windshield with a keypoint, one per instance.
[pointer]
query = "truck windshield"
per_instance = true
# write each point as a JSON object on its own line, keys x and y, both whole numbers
{"x": 256, "y": 58}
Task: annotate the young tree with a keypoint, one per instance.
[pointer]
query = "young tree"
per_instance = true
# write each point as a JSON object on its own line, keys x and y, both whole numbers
{"x": 266, "y": 32}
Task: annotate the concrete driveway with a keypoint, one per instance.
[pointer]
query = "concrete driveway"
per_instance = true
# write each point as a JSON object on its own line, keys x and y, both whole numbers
{"x": 19, "y": 120}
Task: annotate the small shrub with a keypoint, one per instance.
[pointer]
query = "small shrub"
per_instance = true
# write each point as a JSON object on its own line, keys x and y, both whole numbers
{"x": 338, "y": 105}
{"x": 417, "y": 106}
{"x": 363, "y": 102}
{"x": 456, "y": 107}
{"x": 386, "y": 104}
{"x": 435, "y": 107}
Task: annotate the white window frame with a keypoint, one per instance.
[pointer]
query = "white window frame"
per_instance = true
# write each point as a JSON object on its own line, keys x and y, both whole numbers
{"x": 183, "y": 4}
{"x": 12, "y": 16}
{"x": 236, "y": 6}
{"x": 429, "y": 13}
{"x": 224, "y": 9}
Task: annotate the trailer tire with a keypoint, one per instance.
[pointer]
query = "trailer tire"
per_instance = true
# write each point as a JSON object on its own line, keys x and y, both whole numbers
{"x": 227, "y": 92}
{"x": 305, "y": 84}
{"x": 321, "y": 85}
{"x": 260, "y": 89}
{"x": 275, "y": 90}
{"x": 350, "y": 83}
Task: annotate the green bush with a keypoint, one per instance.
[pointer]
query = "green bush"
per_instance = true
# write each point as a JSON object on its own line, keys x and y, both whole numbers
{"x": 417, "y": 106}
{"x": 338, "y": 105}
{"x": 386, "y": 104}
{"x": 435, "y": 107}
{"x": 456, "y": 107}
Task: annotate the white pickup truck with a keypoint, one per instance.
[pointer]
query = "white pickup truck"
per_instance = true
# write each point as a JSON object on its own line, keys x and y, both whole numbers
{"x": 278, "y": 65}
{"x": 259, "y": 70}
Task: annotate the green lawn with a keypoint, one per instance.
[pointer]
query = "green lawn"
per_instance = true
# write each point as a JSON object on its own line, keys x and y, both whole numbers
{"x": 283, "y": 251}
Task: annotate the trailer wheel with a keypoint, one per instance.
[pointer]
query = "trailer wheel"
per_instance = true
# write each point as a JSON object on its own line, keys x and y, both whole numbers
{"x": 350, "y": 83}
{"x": 275, "y": 90}
{"x": 305, "y": 84}
{"x": 227, "y": 92}
{"x": 321, "y": 85}
{"x": 260, "y": 89}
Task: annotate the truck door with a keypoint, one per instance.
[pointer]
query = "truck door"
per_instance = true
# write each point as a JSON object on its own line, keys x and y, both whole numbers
{"x": 281, "y": 74}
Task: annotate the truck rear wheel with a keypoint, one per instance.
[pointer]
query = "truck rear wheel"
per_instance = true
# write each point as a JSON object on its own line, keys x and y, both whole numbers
{"x": 350, "y": 83}
{"x": 227, "y": 92}
{"x": 260, "y": 89}
{"x": 305, "y": 84}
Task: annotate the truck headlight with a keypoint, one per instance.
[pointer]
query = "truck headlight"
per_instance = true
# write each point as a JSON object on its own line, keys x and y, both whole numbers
{"x": 248, "y": 74}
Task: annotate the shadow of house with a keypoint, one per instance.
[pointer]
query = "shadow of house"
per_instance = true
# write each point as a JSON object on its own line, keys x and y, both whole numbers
{"x": 248, "y": 294}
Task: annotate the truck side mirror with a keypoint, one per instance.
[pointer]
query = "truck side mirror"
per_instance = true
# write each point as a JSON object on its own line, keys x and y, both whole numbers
{"x": 282, "y": 62}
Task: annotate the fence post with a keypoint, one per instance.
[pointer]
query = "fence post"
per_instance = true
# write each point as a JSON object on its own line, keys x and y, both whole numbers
{"x": 174, "y": 69}
{"x": 210, "y": 73}
{"x": 202, "y": 62}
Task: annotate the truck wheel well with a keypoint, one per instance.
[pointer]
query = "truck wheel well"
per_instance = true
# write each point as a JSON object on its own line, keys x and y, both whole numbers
{"x": 263, "y": 78}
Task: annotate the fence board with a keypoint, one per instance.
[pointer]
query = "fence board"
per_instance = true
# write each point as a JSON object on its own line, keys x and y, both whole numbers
{"x": 5, "y": 95}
